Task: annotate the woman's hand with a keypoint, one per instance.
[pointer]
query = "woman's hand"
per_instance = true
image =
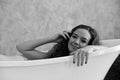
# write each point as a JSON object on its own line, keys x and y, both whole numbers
{"x": 80, "y": 56}
{"x": 65, "y": 34}
{"x": 58, "y": 36}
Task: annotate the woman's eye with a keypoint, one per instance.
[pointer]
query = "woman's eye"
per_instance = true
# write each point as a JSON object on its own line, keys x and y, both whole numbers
{"x": 84, "y": 41}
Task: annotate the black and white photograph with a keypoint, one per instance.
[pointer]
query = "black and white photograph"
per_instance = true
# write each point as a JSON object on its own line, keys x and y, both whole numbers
{"x": 59, "y": 39}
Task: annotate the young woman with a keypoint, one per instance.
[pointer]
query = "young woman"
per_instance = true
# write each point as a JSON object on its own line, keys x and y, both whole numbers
{"x": 68, "y": 43}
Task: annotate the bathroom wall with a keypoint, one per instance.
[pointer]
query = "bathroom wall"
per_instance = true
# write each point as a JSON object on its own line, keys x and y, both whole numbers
{"x": 21, "y": 20}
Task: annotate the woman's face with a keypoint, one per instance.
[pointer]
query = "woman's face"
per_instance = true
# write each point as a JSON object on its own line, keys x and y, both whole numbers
{"x": 79, "y": 39}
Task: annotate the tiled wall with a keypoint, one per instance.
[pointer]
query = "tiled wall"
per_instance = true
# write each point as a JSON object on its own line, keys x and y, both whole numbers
{"x": 22, "y": 20}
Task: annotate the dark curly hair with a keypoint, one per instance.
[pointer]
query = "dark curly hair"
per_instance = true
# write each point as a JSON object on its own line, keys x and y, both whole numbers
{"x": 61, "y": 49}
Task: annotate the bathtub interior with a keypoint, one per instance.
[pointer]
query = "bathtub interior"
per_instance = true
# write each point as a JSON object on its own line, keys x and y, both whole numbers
{"x": 110, "y": 42}
{"x": 61, "y": 68}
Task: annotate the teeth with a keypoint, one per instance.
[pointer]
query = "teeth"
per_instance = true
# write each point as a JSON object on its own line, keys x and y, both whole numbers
{"x": 75, "y": 47}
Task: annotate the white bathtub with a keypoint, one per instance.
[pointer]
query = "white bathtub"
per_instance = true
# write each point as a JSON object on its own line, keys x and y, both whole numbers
{"x": 62, "y": 68}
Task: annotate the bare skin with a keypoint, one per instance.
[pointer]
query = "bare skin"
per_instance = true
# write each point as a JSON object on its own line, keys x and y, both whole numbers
{"x": 76, "y": 45}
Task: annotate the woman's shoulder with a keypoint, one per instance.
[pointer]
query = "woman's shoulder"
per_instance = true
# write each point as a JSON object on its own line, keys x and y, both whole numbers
{"x": 58, "y": 50}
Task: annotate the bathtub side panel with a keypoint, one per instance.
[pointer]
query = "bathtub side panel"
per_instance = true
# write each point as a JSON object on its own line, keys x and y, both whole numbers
{"x": 96, "y": 69}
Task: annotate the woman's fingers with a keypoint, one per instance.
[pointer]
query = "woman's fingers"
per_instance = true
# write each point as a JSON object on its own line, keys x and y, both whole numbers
{"x": 65, "y": 34}
{"x": 75, "y": 55}
{"x": 86, "y": 59}
{"x": 74, "y": 58}
{"x": 80, "y": 57}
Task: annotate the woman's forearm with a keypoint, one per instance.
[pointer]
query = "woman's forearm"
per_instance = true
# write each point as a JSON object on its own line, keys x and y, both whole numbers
{"x": 32, "y": 44}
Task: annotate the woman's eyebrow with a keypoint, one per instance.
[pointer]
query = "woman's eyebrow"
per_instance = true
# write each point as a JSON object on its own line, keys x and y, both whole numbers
{"x": 75, "y": 34}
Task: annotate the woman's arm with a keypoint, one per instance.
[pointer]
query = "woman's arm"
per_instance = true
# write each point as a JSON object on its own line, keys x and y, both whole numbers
{"x": 28, "y": 50}
{"x": 80, "y": 56}
{"x": 32, "y": 44}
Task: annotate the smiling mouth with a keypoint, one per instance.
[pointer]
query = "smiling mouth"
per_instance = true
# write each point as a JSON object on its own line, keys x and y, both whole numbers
{"x": 74, "y": 47}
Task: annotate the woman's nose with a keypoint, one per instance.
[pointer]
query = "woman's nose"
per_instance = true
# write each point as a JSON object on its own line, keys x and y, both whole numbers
{"x": 77, "y": 41}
